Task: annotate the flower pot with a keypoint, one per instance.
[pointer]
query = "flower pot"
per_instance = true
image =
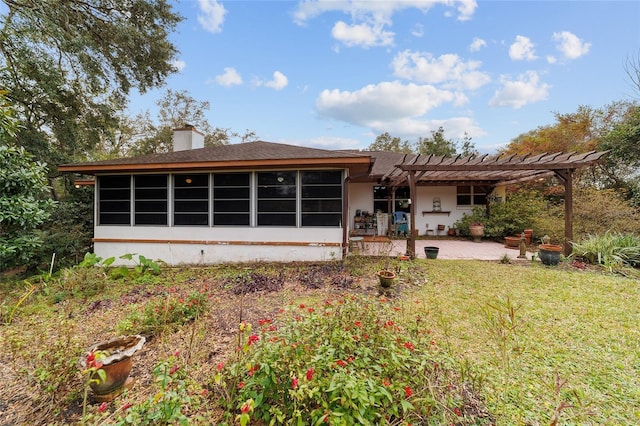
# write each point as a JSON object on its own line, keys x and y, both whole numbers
{"x": 116, "y": 361}
{"x": 477, "y": 232}
{"x": 386, "y": 278}
{"x": 549, "y": 253}
{"x": 528, "y": 234}
{"x": 451, "y": 232}
{"x": 431, "y": 252}
{"x": 512, "y": 242}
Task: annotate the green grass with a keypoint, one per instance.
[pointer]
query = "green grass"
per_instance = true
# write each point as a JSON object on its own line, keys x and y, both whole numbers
{"x": 573, "y": 340}
{"x": 579, "y": 326}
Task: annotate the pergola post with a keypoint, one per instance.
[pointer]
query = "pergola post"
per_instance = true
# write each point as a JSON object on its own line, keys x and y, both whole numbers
{"x": 411, "y": 240}
{"x": 566, "y": 177}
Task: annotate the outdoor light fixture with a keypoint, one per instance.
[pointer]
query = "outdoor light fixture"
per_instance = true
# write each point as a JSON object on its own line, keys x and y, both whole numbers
{"x": 280, "y": 179}
{"x": 188, "y": 180}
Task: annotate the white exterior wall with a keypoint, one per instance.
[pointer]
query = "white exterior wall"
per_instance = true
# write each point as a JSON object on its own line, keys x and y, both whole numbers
{"x": 361, "y": 197}
{"x": 209, "y": 245}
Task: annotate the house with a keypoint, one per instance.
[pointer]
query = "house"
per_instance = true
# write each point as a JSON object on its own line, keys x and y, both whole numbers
{"x": 262, "y": 201}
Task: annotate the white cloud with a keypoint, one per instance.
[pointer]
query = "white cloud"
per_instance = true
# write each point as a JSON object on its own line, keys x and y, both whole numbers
{"x": 327, "y": 142}
{"x": 571, "y": 46}
{"x": 551, "y": 59}
{"x": 279, "y": 82}
{"x": 477, "y": 44}
{"x": 418, "y": 31}
{"x": 229, "y": 78}
{"x": 363, "y": 35}
{"x": 517, "y": 93}
{"x": 212, "y": 16}
{"x": 375, "y": 105}
{"x": 522, "y": 49}
{"x": 369, "y": 18}
{"x": 178, "y": 64}
{"x": 449, "y": 70}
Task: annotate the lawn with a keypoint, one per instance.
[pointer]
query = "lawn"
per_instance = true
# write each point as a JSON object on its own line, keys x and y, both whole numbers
{"x": 523, "y": 343}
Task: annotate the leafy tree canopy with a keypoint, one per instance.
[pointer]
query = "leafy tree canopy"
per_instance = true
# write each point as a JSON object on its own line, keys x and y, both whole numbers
{"x": 69, "y": 65}
{"x": 141, "y": 134}
{"x": 24, "y": 205}
{"x": 436, "y": 144}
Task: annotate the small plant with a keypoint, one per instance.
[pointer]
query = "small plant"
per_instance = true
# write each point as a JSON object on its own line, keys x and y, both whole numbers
{"x": 166, "y": 312}
{"x": 611, "y": 250}
{"x": 345, "y": 361}
{"x": 94, "y": 374}
{"x": 505, "y": 259}
{"x": 169, "y": 404}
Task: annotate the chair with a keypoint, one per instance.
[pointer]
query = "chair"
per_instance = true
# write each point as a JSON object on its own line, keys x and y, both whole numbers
{"x": 400, "y": 223}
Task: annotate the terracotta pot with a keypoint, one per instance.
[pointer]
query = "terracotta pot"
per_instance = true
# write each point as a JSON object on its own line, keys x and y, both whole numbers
{"x": 386, "y": 278}
{"x": 116, "y": 364}
{"x": 451, "y": 232}
{"x": 477, "y": 232}
{"x": 512, "y": 242}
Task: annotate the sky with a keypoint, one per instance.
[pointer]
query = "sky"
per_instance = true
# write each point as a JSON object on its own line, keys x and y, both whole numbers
{"x": 336, "y": 74}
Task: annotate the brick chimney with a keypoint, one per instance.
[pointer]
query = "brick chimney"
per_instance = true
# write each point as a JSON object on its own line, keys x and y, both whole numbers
{"x": 187, "y": 137}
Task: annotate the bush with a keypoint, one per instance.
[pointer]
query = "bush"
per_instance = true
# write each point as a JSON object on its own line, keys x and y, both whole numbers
{"x": 346, "y": 362}
{"x": 173, "y": 309}
{"x": 517, "y": 213}
{"x": 609, "y": 249}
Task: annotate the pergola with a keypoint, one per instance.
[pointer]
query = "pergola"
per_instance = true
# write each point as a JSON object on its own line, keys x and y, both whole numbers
{"x": 489, "y": 171}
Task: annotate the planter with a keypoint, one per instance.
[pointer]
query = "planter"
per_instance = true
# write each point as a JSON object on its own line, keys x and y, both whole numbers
{"x": 451, "y": 232}
{"x": 528, "y": 235}
{"x": 386, "y": 278}
{"x": 116, "y": 364}
{"x": 549, "y": 253}
{"x": 512, "y": 242}
{"x": 431, "y": 252}
{"x": 477, "y": 232}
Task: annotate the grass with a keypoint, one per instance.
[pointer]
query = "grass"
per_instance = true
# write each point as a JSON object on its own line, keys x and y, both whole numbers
{"x": 547, "y": 345}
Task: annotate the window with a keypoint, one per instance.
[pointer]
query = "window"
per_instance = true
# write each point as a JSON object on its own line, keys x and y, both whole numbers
{"x": 276, "y": 198}
{"x": 321, "y": 198}
{"x": 381, "y": 195}
{"x": 191, "y": 199}
{"x": 471, "y": 196}
{"x": 231, "y": 199}
{"x": 150, "y": 199}
{"x": 114, "y": 200}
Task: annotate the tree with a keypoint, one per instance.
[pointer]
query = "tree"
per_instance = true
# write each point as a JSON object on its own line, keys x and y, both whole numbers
{"x": 386, "y": 142}
{"x": 142, "y": 135}
{"x": 68, "y": 67}
{"x": 24, "y": 204}
{"x": 437, "y": 144}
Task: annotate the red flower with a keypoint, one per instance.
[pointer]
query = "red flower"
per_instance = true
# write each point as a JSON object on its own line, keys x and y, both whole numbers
{"x": 395, "y": 308}
{"x": 245, "y": 408}
{"x": 174, "y": 369}
{"x": 341, "y": 363}
{"x": 358, "y": 323}
{"x": 409, "y": 346}
{"x": 126, "y": 406}
{"x": 389, "y": 324}
{"x": 272, "y": 328}
{"x": 253, "y": 369}
{"x": 240, "y": 385}
{"x": 91, "y": 357}
{"x": 457, "y": 411}
{"x": 102, "y": 407}
{"x": 302, "y": 306}
{"x": 264, "y": 321}
{"x": 176, "y": 353}
{"x": 386, "y": 382}
{"x": 407, "y": 391}
{"x": 252, "y": 339}
{"x": 294, "y": 383}
{"x": 220, "y": 366}
{"x": 310, "y": 374}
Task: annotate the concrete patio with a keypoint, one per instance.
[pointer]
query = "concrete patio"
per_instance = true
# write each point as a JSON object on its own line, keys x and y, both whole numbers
{"x": 448, "y": 248}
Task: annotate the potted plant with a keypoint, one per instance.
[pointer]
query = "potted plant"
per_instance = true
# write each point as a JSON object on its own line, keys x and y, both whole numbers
{"x": 386, "y": 277}
{"x": 477, "y": 231}
{"x": 549, "y": 253}
{"x": 108, "y": 365}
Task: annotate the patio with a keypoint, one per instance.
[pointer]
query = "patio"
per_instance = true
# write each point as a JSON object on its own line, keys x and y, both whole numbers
{"x": 448, "y": 248}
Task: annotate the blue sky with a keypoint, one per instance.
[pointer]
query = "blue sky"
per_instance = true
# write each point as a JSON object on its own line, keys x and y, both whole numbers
{"x": 334, "y": 75}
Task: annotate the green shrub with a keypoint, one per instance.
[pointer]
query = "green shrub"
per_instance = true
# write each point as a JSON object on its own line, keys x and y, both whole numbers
{"x": 166, "y": 312}
{"x": 609, "y": 249}
{"x": 348, "y": 361}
